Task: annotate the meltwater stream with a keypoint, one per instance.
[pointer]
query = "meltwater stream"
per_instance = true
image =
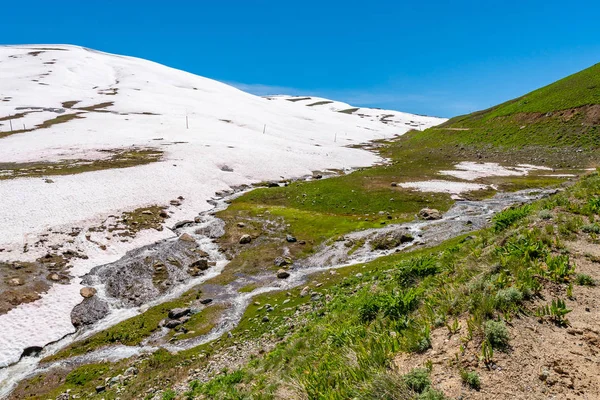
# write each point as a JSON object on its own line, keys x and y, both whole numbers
{"x": 463, "y": 217}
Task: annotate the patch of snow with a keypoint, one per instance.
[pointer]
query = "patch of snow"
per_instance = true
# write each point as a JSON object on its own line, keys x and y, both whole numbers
{"x": 470, "y": 170}
{"x": 440, "y": 186}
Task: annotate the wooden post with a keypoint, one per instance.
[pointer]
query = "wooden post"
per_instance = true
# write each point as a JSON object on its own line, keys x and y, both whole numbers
{"x": 187, "y": 125}
{"x": 335, "y": 137}
{"x": 10, "y": 121}
{"x": 264, "y": 129}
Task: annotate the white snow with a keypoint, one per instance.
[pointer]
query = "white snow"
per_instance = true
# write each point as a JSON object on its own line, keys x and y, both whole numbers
{"x": 225, "y": 128}
{"x": 441, "y": 186}
{"x": 470, "y": 170}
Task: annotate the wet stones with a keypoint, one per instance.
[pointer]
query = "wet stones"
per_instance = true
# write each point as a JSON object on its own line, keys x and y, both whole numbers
{"x": 245, "y": 239}
{"x": 201, "y": 264}
{"x": 87, "y": 292}
{"x": 429, "y": 214}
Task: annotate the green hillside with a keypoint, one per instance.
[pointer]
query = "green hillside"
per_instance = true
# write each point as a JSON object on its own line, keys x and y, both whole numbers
{"x": 564, "y": 113}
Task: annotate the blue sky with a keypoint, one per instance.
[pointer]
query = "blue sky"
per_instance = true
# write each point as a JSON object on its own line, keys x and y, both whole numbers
{"x": 429, "y": 57}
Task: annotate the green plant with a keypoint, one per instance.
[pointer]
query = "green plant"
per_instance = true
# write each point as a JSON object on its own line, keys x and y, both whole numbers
{"x": 591, "y": 228}
{"x": 506, "y": 218}
{"x": 496, "y": 333}
{"x": 487, "y": 352}
{"x": 431, "y": 394}
{"x": 453, "y": 328}
{"x": 471, "y": 379}
{"x": 584, "y": 280}
{"x": 559, "y": 268}
{"x": 556, "y": 312}
{"x": 417, "y": 380}
{"x": 545, "y": 214}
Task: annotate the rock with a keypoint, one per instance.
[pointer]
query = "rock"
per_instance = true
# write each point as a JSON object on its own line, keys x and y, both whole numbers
{"x": 16, "y": 282}
{"x": 265, "y": 319}
{"x": 359, "y": 275}
{"x": 317, "y": 176}
{"x": 186, "y": 237}
{"x": 394, "y": 184}
{"x": 175, "y": 202}
{"x": 206, "y": 301}
{"x": 179, "y": 312}
{"x": 89, "y": 311}
{"x": 290, "y": 239}
{"x": 272, "y": 184}
{"x": 315, "y": 296}
{"x": 163, "y": 214}
{"x": 55, "y": 277}
{"x": 304, "y": 291}
{"x": 197, "y": 220}
{"x": 245, "y": 239}
{"x": 201, "y": 264}
{"x": 429, "y": 214}
{"x": 87, "y": 292}
{"x": 281, "y": 262}
{"x": 147, "y": 212}
{"x": 100, "y": 388}
{"x": 283, "y": 274}
{"x": 131, "y": 371}
{"x": 241, "y": 225}
{"x": 173, "y": 323}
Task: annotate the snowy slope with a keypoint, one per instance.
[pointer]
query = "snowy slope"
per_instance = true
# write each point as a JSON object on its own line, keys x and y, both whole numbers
{"x": 137, "y": 103}
{"x": 404, "y": 121}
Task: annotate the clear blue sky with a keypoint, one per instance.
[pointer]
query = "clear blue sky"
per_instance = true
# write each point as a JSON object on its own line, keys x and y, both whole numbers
{"x": 430, "y": 57}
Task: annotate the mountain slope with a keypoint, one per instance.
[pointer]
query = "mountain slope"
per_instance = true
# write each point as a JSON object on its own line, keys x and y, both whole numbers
{"x": 86, "y": 136}
{"x": 564, "y": 113}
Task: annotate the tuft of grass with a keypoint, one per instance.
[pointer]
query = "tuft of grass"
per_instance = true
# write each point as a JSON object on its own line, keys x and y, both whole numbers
{"x": 418, "y": 379}
{"x": 584, "y": 280}
{"x": 506, "y": 218}
{"x": 471, "y": 379}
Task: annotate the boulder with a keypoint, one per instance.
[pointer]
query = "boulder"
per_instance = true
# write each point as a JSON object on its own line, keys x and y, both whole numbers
{"x": 283, "y": 274}
{"x": 186, "y": 237}
{"x": 16, "y": 282}
{"x": 206, "y": 301}
{"x": 89, "y": 311}
{"x": 245, "y": 239}
{"x": 201, "y": 264}
{"x": 173, "y": 323}
{"x": 179, "y": 312}
{"x": 87, "y": 292}
{"x": 429, "y": 214}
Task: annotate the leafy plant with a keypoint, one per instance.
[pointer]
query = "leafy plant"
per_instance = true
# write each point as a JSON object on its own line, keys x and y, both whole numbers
{"x": 506, "y": 218}
{"x": 559, "y": 268}
{"x": 555, "y": 311}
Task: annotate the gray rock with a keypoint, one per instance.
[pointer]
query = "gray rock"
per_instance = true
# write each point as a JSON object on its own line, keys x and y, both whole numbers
{"x": 206, "y": 301}
{"x": 290, "y": 239}
{"x": 89, "y": 311}
{"x": 179, "y": 312}
{"x": 186, "y": 237}
{"x": 173, "y": 323}
{"x": 100, "y": 388}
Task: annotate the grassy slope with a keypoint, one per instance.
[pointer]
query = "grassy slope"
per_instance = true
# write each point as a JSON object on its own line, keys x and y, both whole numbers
{"x": 537, "y": 118}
